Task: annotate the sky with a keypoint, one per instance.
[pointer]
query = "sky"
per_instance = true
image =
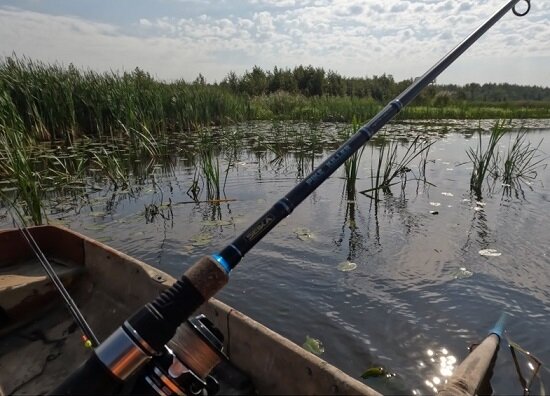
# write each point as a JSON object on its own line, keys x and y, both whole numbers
{"x": 174, "y": 39}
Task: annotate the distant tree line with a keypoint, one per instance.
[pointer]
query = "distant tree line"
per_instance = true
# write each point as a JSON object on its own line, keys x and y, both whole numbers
{"x": 315, "y": 81}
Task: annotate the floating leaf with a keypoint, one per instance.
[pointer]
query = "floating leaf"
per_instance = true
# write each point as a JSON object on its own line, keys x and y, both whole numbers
{"x": 447, "y": 194}
{"x": 216, "y": 223}
{"x": 313, "y": 345}
{"x": 303, "y": 234}
{"x": 8, "y": 189}
{"x": 374, "y": 372}
{"x": 95, "y": 227}
{"x": 187, "y": 248}
{"x": 201, "y": 239}
{"x": 463, "y": 273}
{"x": 490, "y": 252}
{"x": 435, "y": 203}
{"x": 346, "y": 266}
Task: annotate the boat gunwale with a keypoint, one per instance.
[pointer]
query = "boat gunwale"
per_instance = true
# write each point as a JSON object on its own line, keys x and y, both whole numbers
{"x": 274, "y": 363}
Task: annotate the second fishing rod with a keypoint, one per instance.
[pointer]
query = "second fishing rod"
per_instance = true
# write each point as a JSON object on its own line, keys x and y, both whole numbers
{"x": 144, "y": 334}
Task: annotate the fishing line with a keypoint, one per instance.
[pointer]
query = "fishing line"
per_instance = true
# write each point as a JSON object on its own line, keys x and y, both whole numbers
{"x": 69, "y": 302}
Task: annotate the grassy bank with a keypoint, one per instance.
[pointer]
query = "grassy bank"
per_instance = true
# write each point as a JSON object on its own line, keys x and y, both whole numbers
{"x": 52, "y": 102}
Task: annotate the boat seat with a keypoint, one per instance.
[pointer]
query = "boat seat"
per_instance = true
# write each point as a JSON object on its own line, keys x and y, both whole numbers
{"x": 26, "y": 290}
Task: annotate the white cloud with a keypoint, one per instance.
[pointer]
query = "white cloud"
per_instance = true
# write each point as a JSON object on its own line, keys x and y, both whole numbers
{"x": 145, "y": 22}
{"x": 352, "y": 37}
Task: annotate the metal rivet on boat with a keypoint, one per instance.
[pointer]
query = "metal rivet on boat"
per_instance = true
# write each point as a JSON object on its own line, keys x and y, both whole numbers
{"x": 159, "y": 278}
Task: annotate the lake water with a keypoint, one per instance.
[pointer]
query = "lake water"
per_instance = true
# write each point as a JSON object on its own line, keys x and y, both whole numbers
{"x": 421, "y": 291}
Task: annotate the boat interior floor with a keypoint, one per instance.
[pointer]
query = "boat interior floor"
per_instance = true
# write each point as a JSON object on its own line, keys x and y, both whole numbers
{"x": 40, "y": 344}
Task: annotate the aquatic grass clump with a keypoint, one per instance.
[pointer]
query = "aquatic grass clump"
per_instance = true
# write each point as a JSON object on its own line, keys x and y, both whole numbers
{"x": 210, "y": 167}
{"x": 522, "y": 160}
{"x": 111, "y": 166}
{"x": 15, "y": 164}
{"x": 390, "y": 165}
{"x": 351, "y": 166}
{"x": 485, "y": 160}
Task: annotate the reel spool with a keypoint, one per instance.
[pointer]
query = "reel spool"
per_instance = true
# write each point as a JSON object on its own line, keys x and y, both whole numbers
{"x": 185, "y": 365}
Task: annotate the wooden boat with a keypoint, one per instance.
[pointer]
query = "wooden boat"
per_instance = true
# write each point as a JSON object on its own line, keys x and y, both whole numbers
{"x": 40, "y": 345}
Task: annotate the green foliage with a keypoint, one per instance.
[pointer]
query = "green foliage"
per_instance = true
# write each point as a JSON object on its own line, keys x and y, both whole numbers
{"x": 15, "y": 164}
{"x": 485, "y": 160}
{"x": 390, "y": 165}
{"x": 351, "y": 166}
{"x": 521, "y": 161}
{"x": 54, "y": 102}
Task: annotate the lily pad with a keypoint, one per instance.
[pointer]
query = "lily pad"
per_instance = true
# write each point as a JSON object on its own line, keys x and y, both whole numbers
{"x": 201, "y": 239}
{"x": 374, "y": 372}
{"x": 463, "y": 273}
{"x": 303, "y": 234}
{"x": 95, "y": 227}
{"x": 187, "y": 248}
{"x": 216, "y": 223}
{"x": 313, "y": 345}
{"x": 346, "y": 266}
{"x": 490, "y": 252}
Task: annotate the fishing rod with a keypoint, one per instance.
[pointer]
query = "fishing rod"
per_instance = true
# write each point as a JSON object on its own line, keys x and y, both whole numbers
{"x": 474, "y": 373}
{"x": 145, "y": 333}
{"x": 90, "y": 338}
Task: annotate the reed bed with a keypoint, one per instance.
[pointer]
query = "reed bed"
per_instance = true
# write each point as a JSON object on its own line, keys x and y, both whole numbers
{"x": 61, "y": 103}
{"x": 15, "y": 165}
{"x": 54, "y": 102}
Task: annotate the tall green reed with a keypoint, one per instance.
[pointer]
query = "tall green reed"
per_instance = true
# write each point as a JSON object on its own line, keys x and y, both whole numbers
{"x": 521, "y": 160}
{"x": 390, "y": 165}
{"x": 485, "y": 159}
{"x": 351, "y": 166}
{"x": 15, "y": 164}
